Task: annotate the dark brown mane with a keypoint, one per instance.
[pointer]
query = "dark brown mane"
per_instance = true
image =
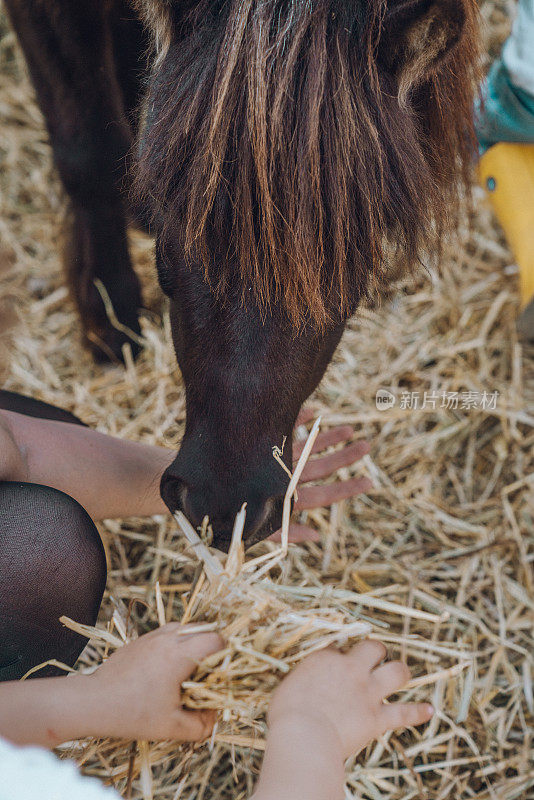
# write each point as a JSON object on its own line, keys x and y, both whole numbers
{"x": 300, "y": 142}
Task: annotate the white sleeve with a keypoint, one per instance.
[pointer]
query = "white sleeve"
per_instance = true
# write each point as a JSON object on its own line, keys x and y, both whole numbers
{"x": 27, "y": 773}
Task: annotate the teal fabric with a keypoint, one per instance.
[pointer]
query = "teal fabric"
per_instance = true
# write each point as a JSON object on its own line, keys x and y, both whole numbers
{"x": 506, "y": 113}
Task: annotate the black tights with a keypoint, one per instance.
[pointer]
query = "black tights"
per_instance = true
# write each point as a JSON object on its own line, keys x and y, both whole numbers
{"x": 52, "y": 563}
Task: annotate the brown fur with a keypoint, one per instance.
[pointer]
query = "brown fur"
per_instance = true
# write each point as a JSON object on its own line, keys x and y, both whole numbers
{"x": 157, "y": 16}
{"x": 298, "y": 144}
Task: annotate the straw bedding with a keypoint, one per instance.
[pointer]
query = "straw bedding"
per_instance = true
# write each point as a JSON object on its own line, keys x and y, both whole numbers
{"x": 436, "y": 560}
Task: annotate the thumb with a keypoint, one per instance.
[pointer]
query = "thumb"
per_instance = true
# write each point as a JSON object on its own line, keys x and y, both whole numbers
{"x": 195, "y": 726}
{"x": 195, "y": 648}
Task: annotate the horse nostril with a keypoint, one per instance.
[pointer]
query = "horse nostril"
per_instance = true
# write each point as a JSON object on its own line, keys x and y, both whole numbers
{"x": 263, "y": 514}
{"x": 264, "y": 518}
{"x": 173, "y": 492}
{"x": 179, "y": 496}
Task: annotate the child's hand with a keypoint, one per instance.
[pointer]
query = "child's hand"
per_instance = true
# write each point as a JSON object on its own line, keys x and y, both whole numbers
{"x": 137, "y": 690}
{"x": 342, "y": 696}
{"x": 135, "y": 694}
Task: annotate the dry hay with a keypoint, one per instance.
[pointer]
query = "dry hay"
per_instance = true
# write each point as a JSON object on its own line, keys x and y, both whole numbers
{"x": 437, "y": 559}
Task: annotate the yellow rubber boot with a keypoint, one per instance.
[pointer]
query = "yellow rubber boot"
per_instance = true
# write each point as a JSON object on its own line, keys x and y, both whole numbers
{"x": 507, "y": 173}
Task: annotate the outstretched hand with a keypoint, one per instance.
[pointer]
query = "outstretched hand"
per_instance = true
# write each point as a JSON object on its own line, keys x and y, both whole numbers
{"x": 343, "y": 696}
{"x": 324, "y": 466}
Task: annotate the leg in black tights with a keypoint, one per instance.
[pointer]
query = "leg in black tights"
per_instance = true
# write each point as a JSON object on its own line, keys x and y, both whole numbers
{"x": 11, "y": 401}
{"x": 52, "y": 563}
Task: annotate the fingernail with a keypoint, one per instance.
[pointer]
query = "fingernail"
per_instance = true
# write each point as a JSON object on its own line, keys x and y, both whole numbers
{"x": 430, "y": 709}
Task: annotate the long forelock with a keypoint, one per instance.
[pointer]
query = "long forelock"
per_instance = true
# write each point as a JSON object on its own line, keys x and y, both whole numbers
{"x": 284, "y": 156}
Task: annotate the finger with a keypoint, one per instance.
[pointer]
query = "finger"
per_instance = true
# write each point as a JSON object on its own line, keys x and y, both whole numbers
{"x": 305, "y": 415}
{"x": 297, "y": 533}
{"x": 317, "y": 496}
{"x": 194, "y": 649}
{"x": 406, "y": 715}
{"x": 391, "y": 677}
{"x": 327, "y": 465}
{"x": 168, "y": 628}
{"x": 186, "y": 632}
{"x": 326, "y": 439}
{"x": 368, "y": 654}
{"x": 195, "y": 726}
